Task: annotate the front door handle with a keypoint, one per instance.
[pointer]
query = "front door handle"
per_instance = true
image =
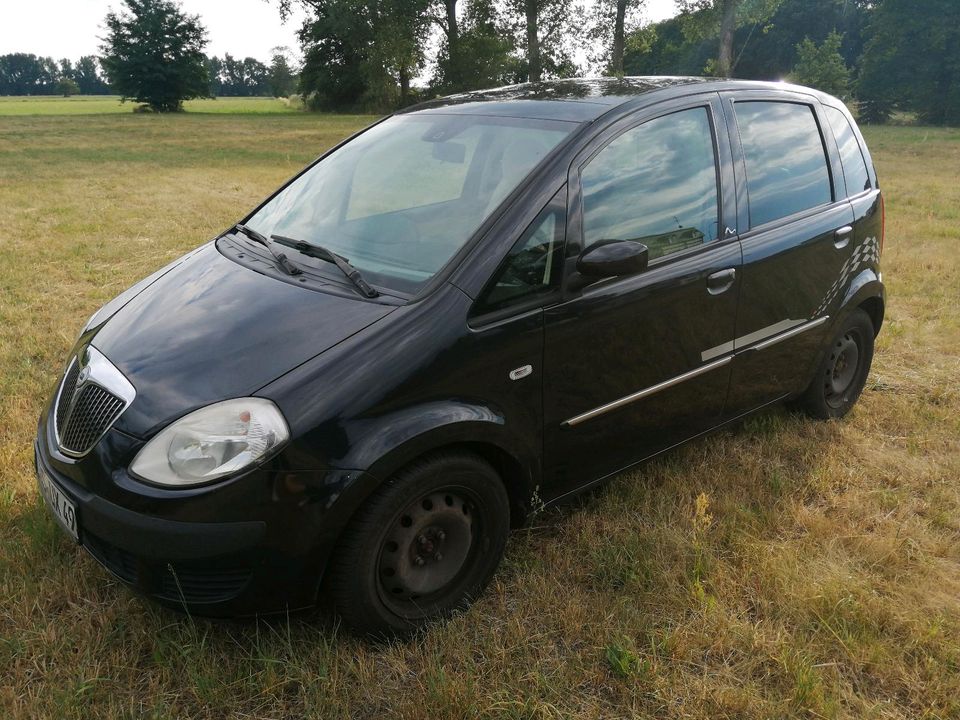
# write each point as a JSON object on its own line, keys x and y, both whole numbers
{"x": 721, "y": 281}
{"x": 841, "y": 238}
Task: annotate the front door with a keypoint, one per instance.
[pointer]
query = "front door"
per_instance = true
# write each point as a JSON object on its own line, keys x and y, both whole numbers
{"x": 624, "y": 369}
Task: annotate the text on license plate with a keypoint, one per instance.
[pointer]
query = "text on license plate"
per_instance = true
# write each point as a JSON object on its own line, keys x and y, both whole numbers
{"x": 63, "y": 510}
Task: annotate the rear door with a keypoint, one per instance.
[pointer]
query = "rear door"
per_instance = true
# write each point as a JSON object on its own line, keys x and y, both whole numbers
{"x": 623, "y": 372}
{"x": 795, "y": 228}
{"x": 863, "y": 193}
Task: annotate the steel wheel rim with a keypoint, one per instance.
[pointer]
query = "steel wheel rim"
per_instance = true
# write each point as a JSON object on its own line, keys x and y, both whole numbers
{"x": 843, "y": 368}
{"x": 427, "y": 548}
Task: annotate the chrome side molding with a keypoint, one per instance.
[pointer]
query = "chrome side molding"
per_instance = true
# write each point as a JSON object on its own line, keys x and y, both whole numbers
{"x": 785, "y": 328}
{"x": 790, "y": 333}
{"x": 590, "y": 414}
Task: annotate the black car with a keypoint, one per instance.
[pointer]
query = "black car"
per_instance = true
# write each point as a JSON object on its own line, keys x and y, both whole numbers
{"x": 475, "y": 307}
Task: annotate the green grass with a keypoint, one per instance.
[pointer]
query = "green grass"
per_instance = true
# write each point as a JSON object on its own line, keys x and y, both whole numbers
{"x": 785, "y": 569}
{"x": 110, "y": 105}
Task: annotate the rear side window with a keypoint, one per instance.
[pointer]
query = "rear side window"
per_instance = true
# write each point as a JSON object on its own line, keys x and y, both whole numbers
{"x": 854, "y": 166}
{"x": 786, "y": 161}
{"x": 655, "y": 184}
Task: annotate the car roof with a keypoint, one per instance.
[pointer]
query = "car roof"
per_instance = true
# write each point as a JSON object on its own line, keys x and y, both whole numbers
{"x": 576, "y": 99}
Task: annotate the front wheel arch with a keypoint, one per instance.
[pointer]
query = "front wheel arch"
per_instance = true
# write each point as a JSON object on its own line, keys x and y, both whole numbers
{"x": 515, "y": 476}
{"x": 370, "y": 559}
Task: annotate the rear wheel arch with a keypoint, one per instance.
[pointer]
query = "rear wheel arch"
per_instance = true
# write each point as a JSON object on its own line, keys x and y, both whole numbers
{"x": 874, "y": 307}
{"x": 866, "y": 292}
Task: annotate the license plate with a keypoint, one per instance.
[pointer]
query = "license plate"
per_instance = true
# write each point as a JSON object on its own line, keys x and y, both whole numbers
{"x": 63, "y": 510}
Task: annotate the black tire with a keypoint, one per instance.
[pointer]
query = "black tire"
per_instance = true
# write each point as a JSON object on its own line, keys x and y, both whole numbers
{"x": 843, "y": 371}
{"x": 423, "y": 546}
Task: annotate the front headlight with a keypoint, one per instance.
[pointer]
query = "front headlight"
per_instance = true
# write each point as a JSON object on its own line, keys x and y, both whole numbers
{"x": 212, "y": 442}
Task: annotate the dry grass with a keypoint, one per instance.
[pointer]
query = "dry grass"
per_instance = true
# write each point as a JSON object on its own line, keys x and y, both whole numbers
{"x": 783, "y": 569}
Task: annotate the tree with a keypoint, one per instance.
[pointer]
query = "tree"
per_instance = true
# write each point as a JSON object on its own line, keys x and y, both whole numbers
{"x": 214, "y": 67}
{"x": 362, "y": 54}
{"x": 401, "y": 29}
{"x": 705, "y": 17}
{"x": 822, "y": 66}
{"x": 232, "y": 77}
{"x": 487, "y": 56}
{"x": 67, "y": 87}
{"x": 666, "y": 48}
{"x": 282, "y": 77}
{"x": 544, "y": 30}
{"x": 607, "y": 32}
{"x": 86, "y": 73}
{"x": 153, "y": 54}
{"x": 765, "y": 50}
{"x": 531, "y": 12}
{"x": 66, "y": 68}
{"x": 27, "y": 74}
{"x": 451, "y": 55}
{"x": 335, "y": 71}
{"x": 911, "y": 61}
{"x": 768, "y": 51}
{"x": 242, "y": 78}
{"x": 22, "y": 74}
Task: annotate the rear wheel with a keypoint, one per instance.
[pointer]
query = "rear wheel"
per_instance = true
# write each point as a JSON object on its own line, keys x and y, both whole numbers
{"x": 843, "y": 371}
{"x": 423, "y": 546}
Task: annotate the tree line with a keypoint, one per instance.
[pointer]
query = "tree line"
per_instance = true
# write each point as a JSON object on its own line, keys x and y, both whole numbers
{"x": 377, "y": 55}
{"x": 888, "y": 55}
{"x": 249, "y": 77}
{"x": 27, "y": 74}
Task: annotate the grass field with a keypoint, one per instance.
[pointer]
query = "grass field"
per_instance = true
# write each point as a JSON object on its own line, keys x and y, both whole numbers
{"x": 111, "y": 105}
{"x": 785, "y": 568}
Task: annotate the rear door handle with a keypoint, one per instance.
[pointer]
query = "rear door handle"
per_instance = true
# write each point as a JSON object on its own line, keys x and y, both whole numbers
{"x": 721, "y": 281}
{"x": 841, "y": 238}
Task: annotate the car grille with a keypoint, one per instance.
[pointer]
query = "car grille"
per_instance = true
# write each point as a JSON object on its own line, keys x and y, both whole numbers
{"x": 166, "y": 581}
{"x": 93, "y": 412}
{"x": 63, "y": 402}
{"x": 85, "y": 409}
{"x": 201, "y": 585}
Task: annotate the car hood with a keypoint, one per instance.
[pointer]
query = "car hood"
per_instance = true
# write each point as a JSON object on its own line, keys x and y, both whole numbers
{"x": 210, "y": 329}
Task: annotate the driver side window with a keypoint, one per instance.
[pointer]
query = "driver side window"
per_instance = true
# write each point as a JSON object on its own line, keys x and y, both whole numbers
{"x": 533, "y": 267}
{"x": 655, "y": 184}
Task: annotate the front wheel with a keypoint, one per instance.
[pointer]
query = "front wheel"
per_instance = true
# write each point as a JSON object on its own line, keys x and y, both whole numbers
{"x": 423, "y": 546}
{"x": 842, "y": 373}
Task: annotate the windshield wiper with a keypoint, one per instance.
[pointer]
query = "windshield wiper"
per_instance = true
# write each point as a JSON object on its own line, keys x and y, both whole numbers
{"x": 288, "y": 267}
{"x": 323, "y": 253}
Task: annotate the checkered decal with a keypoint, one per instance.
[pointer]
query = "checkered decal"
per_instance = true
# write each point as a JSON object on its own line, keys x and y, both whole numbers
{"x": 866, "y": 253}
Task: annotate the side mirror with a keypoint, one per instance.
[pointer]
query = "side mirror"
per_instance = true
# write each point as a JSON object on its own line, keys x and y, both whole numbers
{"x": 610, "y": 259}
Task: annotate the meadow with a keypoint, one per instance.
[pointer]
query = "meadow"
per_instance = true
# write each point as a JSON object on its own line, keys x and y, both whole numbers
{"x": 782, "y": 568}
{"x": 111, "y": 105}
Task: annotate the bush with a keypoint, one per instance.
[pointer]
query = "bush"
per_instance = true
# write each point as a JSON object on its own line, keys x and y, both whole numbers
{"x": 67, "y": 87}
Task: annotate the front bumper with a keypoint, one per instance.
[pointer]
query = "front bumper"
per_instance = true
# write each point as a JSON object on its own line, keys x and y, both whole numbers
{"x": 257, "y": 545}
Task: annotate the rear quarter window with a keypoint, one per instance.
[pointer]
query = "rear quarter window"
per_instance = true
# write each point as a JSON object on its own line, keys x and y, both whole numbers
{"x": 786, "y": 162}
{"x": 851, "y": 154}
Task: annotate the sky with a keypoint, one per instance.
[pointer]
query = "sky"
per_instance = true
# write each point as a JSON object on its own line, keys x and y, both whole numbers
{"x": 70, "y": 28}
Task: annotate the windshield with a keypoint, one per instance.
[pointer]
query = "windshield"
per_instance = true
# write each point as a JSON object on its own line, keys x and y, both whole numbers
{"x": 400, "y": 200}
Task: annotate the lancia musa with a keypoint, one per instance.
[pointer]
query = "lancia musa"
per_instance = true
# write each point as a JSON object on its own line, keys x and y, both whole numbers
{"x": 480, "y": 305}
